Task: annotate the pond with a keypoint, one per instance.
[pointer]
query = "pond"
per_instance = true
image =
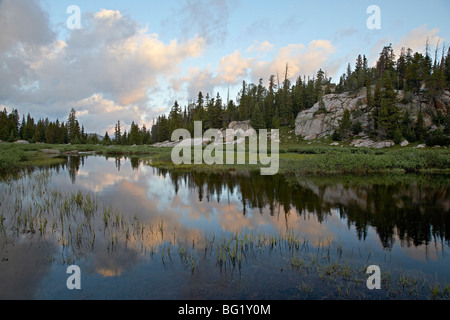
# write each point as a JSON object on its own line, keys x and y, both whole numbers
{"x": 139, "y": 232}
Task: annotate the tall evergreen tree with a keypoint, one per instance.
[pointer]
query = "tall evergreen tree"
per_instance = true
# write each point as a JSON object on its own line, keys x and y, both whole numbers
{"x": 257, "y": 121}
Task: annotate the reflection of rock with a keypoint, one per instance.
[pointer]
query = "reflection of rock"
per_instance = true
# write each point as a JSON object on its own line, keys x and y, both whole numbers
{"x": 337, "y": 194}
{"x": 71, "y": 153}
{"x": 51, "y": 151}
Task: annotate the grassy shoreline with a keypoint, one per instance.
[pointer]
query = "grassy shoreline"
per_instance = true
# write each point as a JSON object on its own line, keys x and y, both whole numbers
{"x": 297, "y": 158}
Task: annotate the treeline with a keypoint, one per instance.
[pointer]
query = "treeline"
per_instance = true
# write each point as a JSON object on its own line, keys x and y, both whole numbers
{"x": 279, "y": 103}
{"x": 267, "y": 107}
{"x": 43, "y": 130}
{"x": 413, "y": 73}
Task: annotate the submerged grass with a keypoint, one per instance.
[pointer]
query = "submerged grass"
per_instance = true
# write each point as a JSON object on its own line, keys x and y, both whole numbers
{"x": 82, "y": 223}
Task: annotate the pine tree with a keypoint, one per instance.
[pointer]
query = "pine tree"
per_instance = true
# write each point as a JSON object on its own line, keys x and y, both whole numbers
{"x": 134, "y": 137}
{"x": 106, "y": 139}
{"x": 269, "y": 103}
{"x": 420, "y": 129}
{"x": 257, "y": 121}
{"x": 117, "y": 133}
{"x": 215, "y": 113}
{"x": 4, "y": 124}
{"x": 345, "y": 125}
{"x": 175, "y": 118}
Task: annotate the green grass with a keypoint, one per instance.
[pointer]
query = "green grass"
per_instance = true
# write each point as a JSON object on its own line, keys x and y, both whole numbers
{"x": 296, "y": 156}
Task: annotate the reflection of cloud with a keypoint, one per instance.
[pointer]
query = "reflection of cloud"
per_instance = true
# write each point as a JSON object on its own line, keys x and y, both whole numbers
{"x": 108, "y": 273}
{"x": 18, "y": 280}
{"x": 422, "y": 253}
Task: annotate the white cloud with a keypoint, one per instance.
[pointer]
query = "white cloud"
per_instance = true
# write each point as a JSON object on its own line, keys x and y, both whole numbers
{"x": 106, "y": 69}
{"x": 301, "y": 60}
{"x": 264, "y": 46}
{"x": 233, "y": 68}
{"x": 416, "y": 40}
{"x": 206, "y": 18}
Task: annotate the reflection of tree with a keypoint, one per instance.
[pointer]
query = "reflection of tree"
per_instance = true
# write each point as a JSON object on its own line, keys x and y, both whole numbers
{"x": 413, "y": 211}
{"x": 134, "y": 163}
{"x": 118, "y": 163}
{"x": 73, "y": 165}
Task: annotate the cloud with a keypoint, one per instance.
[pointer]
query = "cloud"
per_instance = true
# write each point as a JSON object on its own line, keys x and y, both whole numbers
{"x": 106, "y": 69}
{"x": 206, "y": 18}
{"x": 416, "y": 40}
{"x": 301, "y": 60}
{"x": 264, "y": 46}
{"x": 23, "y": 23}
{"x": 342, "y": 34}
{"x": 233, "y": 68}
{"x": 99, "y": 112}
{"x": 24, "y": 31}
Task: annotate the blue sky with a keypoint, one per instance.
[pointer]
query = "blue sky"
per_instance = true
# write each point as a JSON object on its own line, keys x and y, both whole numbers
{"x": 132, "y": 59}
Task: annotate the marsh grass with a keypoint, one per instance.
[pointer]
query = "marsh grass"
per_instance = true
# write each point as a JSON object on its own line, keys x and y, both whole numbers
{"x": 81, "y": 223}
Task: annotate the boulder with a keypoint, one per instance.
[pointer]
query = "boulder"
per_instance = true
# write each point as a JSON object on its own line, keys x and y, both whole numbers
{"x": 241, "y": 125}
{"x": 166, "y": 144}
{"x": 368, "y": 143}
{"x": 317, "y": 122}
{"x": 404, "y": 143}
{"x": 21, "y": 142}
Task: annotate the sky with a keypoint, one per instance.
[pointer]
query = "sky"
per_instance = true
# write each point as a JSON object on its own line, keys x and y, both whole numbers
{"x": 130, "y": 60}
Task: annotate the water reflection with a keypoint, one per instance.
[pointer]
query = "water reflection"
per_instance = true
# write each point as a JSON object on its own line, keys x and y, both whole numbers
{"x": 139, "y": 209}
{"x": 414, "y": 209}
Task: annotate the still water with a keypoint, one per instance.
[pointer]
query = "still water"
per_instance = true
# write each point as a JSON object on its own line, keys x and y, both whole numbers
{"x": 138, "y": 232}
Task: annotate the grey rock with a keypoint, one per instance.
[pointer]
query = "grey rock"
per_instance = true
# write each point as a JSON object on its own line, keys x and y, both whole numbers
{"x": 368, "y": 143}
{"x": 21, "y": 142}
{"x": 315, "y": 123}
